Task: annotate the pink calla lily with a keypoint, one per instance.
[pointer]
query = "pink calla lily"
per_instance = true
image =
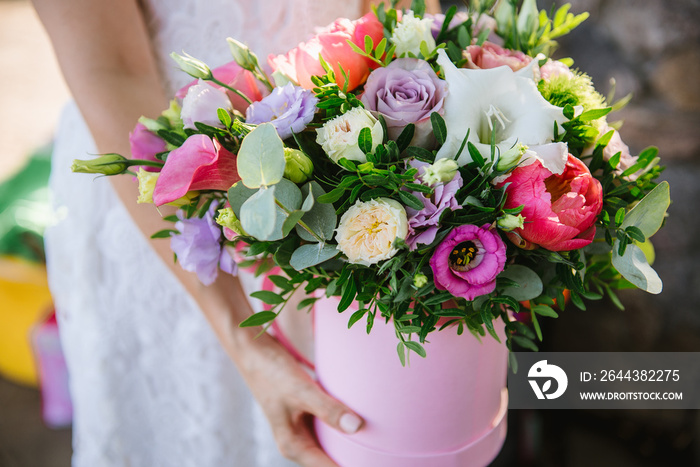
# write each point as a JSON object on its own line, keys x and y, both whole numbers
{"x": 199, "y": 164}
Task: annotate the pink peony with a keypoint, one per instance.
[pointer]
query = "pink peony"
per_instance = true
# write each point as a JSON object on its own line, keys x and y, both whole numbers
{"x": 301, "y": 63}
{"x": 236, "y": 77}
{"x": 490, "y": 55}
{"x": 468, "y": 260}
{"x": 145, "y": 145}
{"x": 560, "y": 210}
{"x": 199, "y": 164}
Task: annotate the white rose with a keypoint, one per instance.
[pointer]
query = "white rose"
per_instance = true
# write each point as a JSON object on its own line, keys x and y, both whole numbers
{"x": 201, "y": 104}
{"x": 338, "y": 136}
{"x": 367, "y": 230}
{"x": 410, "y": 32}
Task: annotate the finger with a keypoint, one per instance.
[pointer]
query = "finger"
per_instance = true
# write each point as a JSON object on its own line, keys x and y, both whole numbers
{"x": 296, "y": 442}
{"x": 332, "y": 412}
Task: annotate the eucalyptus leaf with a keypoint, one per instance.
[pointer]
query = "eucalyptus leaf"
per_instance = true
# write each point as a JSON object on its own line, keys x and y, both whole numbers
{"x": 634, "y": 267}
{"x": 312, "y": 254}
{"x": 321, "y": 218}
{"x": 260, "y": 159}
{"x": 237, "y": 195}
{"x": 288, "y": 194}
{"x": 649, "y": 213}
{"x": 530, "y": 283}
{"x": 258, "y": 214}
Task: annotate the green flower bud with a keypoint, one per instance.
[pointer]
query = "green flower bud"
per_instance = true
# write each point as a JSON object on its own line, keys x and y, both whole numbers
{"x": 107, "y": 164}
{"x": 227, "y": 218}
{"x": 281, "y": 79}
{"x": 511, "y": 157}
{"x": 442, "y": 171}
{"x": 193, "y": 67}
{"x": 242, "y": 54}
{"x": 298, "y": 168}
{"x": 419, "y": 280}
{"x": 509, "y": 222}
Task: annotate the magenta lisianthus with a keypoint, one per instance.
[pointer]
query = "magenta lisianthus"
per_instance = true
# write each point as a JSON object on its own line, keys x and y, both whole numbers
{"x": 468, "y": 260}
{"x": 559, "y": 210}
{"x": 199, "y": 164}
{"x": 145, "y": 145}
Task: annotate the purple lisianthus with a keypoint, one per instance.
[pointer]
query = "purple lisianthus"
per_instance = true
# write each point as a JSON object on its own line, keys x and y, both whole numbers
{"x": 468, "y": 260}
{"x": 289, "y": 108}
{"x": 406, "y": 91}
{"x": 198, "y": 247}
{"x": 423, "y": 224}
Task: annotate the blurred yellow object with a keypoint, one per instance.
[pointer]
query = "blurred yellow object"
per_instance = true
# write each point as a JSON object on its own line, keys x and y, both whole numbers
{"x": 24, "y": 300}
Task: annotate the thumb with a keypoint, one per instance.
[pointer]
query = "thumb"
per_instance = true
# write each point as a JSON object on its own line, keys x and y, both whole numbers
{"x": 331, "y": 411}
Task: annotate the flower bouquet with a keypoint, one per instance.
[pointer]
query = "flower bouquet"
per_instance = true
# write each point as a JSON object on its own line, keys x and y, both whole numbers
{"x": 432, "y": 174}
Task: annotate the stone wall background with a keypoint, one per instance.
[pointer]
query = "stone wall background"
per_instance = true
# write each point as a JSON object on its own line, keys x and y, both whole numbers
{"x": 652, "y": 49}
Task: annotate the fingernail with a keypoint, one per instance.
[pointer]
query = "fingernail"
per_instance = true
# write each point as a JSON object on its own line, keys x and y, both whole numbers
{"x": 350, "y": 423}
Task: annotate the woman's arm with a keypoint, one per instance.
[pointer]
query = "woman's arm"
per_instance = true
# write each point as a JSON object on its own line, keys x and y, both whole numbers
{"x": 105, "y": 53}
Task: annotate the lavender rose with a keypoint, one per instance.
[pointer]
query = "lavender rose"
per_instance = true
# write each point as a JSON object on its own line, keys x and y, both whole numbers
{"x": 468, "y": 260}
{"x": 289, "y": 108}
{"x": 199, "y": 247}
{"x": 406, "y": 91}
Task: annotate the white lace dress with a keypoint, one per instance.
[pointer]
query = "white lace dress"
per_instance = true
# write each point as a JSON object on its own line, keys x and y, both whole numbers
{"x": 150, "y": 383}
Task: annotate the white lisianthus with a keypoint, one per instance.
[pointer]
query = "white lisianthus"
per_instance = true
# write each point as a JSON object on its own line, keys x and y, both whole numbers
{"x": 202, "y": 103}
{"x": 495, "y": 104}
{"x": 410, "y": 32}
{"x": 339, "y": 136}
{"x": 367, "y": 230}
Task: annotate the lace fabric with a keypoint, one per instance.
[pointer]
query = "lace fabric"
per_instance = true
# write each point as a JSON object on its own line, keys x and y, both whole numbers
{"x": 151, "y": 385}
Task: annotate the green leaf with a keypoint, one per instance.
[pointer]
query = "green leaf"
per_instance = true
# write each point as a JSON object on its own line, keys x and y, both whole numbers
{"x": 410, "y": 200}
{"x": 321, "y": 218}
{"x": 439, "y": 127}
{"x": 307, "y": 302}
{"x": 635, "y": 233}
{"x": 271, "y": 298}
{"x": 258, "y": 319}
{"x": 545, "y": 310}
{"x": 416, "y": 347}
{"x": 364, "y": 140}
{"x": 356, "y": 317}
{"x": 349, "y": 292}
{"x": 260, "y": 159}
{"x": 224, "y": 117}
{"x": 281, "y": 282}
{"x": 369, "y": 44}
{"x": 525, "y": 343}
{"x": 530, "y": 283}
{"x": 401, "y": 349}
{"x": 405, "y": 137}
{"x": 258, "y": 214}
{"x": 312, "y": 254}
{"x": 649, "y": 213}
{"x": 421, "y": 154}
{"x": 594, "y": 114}
{"x": 619, "y": 216}
{"x": 634, "y": 267}
{"x": 165, "y": 233}
{"x": 237, "y": 195}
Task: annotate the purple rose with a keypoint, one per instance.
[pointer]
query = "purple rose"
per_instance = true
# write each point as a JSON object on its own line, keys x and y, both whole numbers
{"x": 201, "y": 104}
{"x": 423, "y": 224}
{"x": 289, "y": 108}
{"x": 468, "y": 260}
{"x": 198, "y": 247}
{"x": 145, "y": 145}
{"x": 406, "y": 91}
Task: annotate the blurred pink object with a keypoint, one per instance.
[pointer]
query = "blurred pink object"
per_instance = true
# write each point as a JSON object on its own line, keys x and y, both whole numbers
{"x": 448, "y": 409}
{"x": 57, "y": 408}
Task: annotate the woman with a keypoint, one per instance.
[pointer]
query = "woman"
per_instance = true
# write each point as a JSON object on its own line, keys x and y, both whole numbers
{"x": 151, "y": 384}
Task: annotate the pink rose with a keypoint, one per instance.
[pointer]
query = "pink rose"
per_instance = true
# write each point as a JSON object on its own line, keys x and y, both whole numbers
{"x": 490, "y": 55}
{"x": 199, "y": 164}
{"x": 301, "y": 63}
{"x": 236, "y": 77}
{"x": 560, "y": 210}
{"x": 145, "y": 145}
{"x": 616, "y": 145}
